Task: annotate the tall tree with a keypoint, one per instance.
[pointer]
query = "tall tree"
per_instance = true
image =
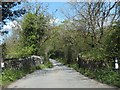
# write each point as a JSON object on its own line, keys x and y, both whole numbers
{"x": 95, "y": 15}
{"x": 33, "y": 27}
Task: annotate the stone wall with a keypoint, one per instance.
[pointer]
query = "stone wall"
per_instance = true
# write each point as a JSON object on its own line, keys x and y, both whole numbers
{"x": 20, "y": 63}
{"x": 93, "y": 64}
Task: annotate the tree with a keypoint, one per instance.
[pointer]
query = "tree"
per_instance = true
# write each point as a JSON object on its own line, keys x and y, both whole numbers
{"x": 33, "y": 27}
{"x": 13, "y": 43}
{"x": 112, "y": 41}
{"x": 94, "y": 16}
{"x": 27, "y": 34}
{"x": 8, "y": 13}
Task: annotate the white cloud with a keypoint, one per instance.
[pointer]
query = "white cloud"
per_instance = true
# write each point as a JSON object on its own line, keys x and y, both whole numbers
{"x": 10, "y": 26}
{"x": 6, "y": 27}
{"x": 13, "y": 24}
{"x": 55, "y": 21}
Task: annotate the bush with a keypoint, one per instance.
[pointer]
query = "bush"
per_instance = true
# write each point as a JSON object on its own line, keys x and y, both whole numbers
{"x": 94, "y": 54}
{"x": 112, "y": 42}
{"x": 49, "y": 64}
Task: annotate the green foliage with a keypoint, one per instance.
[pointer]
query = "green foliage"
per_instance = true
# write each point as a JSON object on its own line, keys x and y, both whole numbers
{"x": 33, "y": 27}
{"x": 61, "y": 60}
{"x": 64, "y": 42}
{"x": 0, "y": 79}
{"x": 49, "y": 64}
{"x": 75, "y": 66}
{"x": 3, "y": 46}
{"x": 30, "y": 36}
{"x": 43, "y": 66}
{"x": 11, "y": 75}
{"x": 112, "y": 42}
{"x": 105, "y": 76}
{"x": 97, "y": 54}
{"x": 26, "y": 51}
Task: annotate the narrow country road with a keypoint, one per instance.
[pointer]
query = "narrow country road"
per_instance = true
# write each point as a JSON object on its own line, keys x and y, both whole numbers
{"x": 59, "y": 76}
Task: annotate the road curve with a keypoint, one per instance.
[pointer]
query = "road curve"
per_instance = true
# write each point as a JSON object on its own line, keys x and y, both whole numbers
{"x": 59, "y": 76}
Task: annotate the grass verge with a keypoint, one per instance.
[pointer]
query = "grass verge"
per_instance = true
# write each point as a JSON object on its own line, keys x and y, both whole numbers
{"x": 10, "y": 75}
{"x": 107, "y": 76}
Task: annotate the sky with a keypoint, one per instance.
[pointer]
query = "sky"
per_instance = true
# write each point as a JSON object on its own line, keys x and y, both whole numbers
{"x": 53, "y": 6}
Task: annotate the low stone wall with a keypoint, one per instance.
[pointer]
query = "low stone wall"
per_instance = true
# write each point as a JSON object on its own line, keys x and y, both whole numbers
{"x": 20, "y": 63}
{"x": 93, "y": 64}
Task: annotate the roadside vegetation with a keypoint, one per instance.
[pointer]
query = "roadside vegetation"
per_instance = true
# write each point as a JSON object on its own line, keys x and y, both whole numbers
{"x": 25, "y": 41}
{"x": 106, "y": 76}
{"x": 11, "y": 75}
{"x": 92, "y": 34}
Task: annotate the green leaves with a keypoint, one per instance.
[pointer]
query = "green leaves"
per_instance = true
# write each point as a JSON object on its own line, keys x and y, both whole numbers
{"x": 112, "y": 42}
{"x": 33, "y": 28}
